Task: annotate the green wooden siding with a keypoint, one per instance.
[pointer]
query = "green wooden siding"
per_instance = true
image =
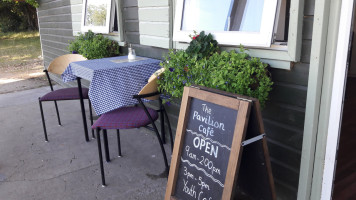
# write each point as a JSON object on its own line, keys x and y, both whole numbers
{"x": 56, "y": 29}
{"x": 154, "y": 22}
{"x": 148, "y": 44}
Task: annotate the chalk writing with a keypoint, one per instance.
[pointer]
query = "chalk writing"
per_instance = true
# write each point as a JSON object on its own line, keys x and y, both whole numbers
{"x": 208, "y": 120}
{"x": 201, "y": 169}
{"x": 215, "y": 142}
{"x": 189, "y": 190}
{"x": 208, "y": 148}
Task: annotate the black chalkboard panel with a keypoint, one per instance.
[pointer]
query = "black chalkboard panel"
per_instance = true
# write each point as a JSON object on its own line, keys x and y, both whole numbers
{"x": 206, "y": 151}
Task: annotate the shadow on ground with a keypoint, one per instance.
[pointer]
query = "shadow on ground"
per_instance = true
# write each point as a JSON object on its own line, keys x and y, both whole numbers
{"x": 67, "y": 167}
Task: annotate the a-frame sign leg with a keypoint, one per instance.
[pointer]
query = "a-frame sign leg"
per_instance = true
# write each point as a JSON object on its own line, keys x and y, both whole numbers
{"x": 255, "y": 175}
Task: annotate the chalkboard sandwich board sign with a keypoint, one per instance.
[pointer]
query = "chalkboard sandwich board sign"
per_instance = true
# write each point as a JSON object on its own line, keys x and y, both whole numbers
{"x": 210, "y": 131}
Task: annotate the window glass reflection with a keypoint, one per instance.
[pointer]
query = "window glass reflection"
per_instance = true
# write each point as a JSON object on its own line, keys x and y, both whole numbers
{"x": 222, "y": 15}
{"x": 95, "y": 13}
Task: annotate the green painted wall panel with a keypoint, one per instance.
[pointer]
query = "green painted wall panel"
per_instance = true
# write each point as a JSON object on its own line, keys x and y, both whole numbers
{"x": 283, "y": 191}
{"x": 290, "y": 157}
{"x": 55, "y": 24}
{"x": 306, "y": 48}
{"x": 64, "y": 32}
{"x": 284, "y": 113}
{"x": 130, "y": 13}
{"x": 62, "y": 25}
{"x": 55, "y": 11}
{"x": 286, "y": 176}
{"x": 75, "y": 9}
{"x": 309, "y": 7}
{"x": 308, "y": 27}
{"x": 54, "y": 4}
{"x": 48, "y": 18}
{"x": 154, "y": 14}
{"x": 294, "y": 95}
{"x": 57, "y": 49}
{"x": 288, "y": 135}
{"x": 155, "y": 29}
{"x": 132, "y": 26}
{"x": 297, "y": 75}
{"x": 129, "y": 3}
{"x": 60, "y": 39}
{"x": 153, "y": 3}
{"x": 132, "y": 37}
{"x": 161, "y": 42}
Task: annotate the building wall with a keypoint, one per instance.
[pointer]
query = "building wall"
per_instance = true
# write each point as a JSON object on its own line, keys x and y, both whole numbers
{"x": 148, "y": 27}
{"x": 134, "y": 24}
{"x": 284, "y": 114}
{"x": 55, "y": 20}
{"x": 56, "y": 28}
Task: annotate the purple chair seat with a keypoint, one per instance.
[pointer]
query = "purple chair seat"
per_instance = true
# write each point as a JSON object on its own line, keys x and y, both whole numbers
{"x": 125, "y": 118}
{"x": 65, "y": 94}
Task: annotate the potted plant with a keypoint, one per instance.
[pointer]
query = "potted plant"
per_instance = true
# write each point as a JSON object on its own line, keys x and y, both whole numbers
{"x": 94, "y": 46}
{"x": 203, "y": 64}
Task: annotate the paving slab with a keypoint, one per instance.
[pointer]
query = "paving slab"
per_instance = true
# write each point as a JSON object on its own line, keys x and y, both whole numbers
{"x": 67, "y": 167}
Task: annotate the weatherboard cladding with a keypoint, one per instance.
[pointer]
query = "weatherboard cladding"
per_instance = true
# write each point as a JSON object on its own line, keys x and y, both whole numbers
{"x": 56, "y": 28}
{"x": 283, "y": 115}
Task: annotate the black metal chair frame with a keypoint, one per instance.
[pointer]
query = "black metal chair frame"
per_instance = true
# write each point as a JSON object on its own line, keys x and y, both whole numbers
{"x": 161, "y": 110}
{"x": 81, "y": 99}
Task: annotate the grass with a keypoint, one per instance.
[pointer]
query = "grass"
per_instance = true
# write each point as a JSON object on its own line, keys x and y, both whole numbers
{"x": 19, "y": 49}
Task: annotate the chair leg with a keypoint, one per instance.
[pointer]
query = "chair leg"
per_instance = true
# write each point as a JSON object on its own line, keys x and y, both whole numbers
{"x": 161, "y": 116}
{"x": 162, "y": 148}
{"x": 100, "y": 158}
{"x": 43, "y": 120}
{"x": 157, "y": 135}
{"x": 106, "y": 145}
{"x": 91, "y": 119}
{"x": 83, "y": 110}
{"x": 169, "y": 128}
{"x": 118, "y": 142}
{"x": 59, "y": 119}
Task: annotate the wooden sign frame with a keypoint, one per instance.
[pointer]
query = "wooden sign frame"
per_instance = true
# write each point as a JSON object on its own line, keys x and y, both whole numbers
{"x": 243, "y": 108}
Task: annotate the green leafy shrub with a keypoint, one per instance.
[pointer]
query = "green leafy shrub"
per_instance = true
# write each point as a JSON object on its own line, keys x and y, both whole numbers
{"x": 94, "y": 46}
{"x": 227, "y": 71}
{"x": 177, "y": 73}
{"x": 202, "y": 45}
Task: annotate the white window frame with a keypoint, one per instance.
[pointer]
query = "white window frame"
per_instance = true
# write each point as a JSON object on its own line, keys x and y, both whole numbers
{"x": 252, "y": 39}
{"x": 97, "y": 29}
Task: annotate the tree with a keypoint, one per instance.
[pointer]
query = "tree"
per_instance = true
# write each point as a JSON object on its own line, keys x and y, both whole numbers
{"x": 18, "y": 15}
{"x": 96, "y": 15}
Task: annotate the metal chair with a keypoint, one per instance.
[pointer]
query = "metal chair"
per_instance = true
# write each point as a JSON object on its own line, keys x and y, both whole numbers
{"x": 133, "y": 117}
{"x": 57, "y": 66}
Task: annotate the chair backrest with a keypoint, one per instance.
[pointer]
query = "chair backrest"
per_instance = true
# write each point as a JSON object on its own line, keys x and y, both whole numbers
{"x": 59, "y": 64}
{"x": 152, "y": 85}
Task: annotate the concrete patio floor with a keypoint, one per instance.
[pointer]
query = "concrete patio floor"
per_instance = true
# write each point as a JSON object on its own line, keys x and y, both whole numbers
{"x": 67, "y": 167}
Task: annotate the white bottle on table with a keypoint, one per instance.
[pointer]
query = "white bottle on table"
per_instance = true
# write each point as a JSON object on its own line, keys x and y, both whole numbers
{"x": 132, "y": 54}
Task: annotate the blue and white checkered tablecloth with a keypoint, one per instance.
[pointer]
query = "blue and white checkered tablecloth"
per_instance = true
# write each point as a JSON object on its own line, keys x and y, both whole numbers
{"x": 112, "y": 82}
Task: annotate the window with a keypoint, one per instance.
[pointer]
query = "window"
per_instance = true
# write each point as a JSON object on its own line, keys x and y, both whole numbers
{"x": 232, "y": 22}
{"x": 282, "y": 22}
{"x": 101, "y": 16}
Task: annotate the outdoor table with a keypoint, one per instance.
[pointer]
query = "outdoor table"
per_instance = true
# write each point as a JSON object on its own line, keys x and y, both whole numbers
{"x": 113, "y": 81}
